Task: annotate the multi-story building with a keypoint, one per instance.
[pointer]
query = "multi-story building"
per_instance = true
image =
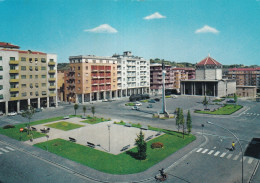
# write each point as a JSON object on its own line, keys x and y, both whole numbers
{"x": 26, "y": 78}
{"x": 60, "y": 85}
{"x": 133, "y": 74}
{"x": 181, "y": 74}
{"x": 90, "y": 78}
{"x": 245, "y": 76}
{"x": 156, "y": 78}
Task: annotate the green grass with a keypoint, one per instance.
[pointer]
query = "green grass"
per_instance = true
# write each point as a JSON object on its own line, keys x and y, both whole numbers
{"x": 130, "y": 104}
{"x": 168, "y": 96}
{"x": 124, "y": 163}
{"x": 144, "y": 101}
{"x": 218, "y": 100}
{"x": 133, "y": 124}
{"x": 63, "y": 125}
{"x": 94, "y": 120}
{"x": 226, "y": 110}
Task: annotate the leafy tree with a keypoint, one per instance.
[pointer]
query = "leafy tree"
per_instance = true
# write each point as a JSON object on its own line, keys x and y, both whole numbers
{"x": 188, "y": 122}
{"x": 28, "y": 114}
{"x": 84, "y": 109}
{"x": 235, "y": 98}
{"x": 141, "y": 146}
{"x": 178, "y": 118}
{"x": 93, "y": 110}
{"x": 182, "y": 122}
{"x": 205, "y": 102}
{"x": 76, "y": 106}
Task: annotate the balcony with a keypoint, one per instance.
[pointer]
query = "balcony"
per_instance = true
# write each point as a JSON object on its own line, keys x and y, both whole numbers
{"x": 108, "y": 70}
{"x": 14, "y": 71}
{"x": 52, "y": 87}
{"x": 13, "y": 62}
{"x": 14, "y": 80}
{"x": 108, "y": 76}
{"x": 51, "y": 63}
{"x": 94, "y": 83}
{"x": 14, "y": 98}
{"x": 52, "y": 94}
{"x": 72, "y": 71}
{"x": 14, "y": 89}
{"x": 52, "y": 79}
{"x": 52, "y": 71}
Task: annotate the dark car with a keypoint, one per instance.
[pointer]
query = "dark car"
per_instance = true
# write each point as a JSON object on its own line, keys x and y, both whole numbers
{"x": 231, "y": 101}
{"x": 38, "y": 110}
{"x": 152, "y": 101}
{"x": 150, "y": 106}
{"x": 157, "y": 99}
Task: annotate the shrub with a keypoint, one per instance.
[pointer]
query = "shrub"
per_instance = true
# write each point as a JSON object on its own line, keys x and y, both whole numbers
{"x": 157, "y": 145}
{"x": 8, "y": 126}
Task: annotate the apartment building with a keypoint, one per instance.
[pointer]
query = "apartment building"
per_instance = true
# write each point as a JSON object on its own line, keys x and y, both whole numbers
{"x": 26, "y": 78}
{"x": 133, "y": 74}
{"x": 245, "y": 76}
{"x": 181, "y": 74}
{"x": 90, "y": 78}
{"x": 60, "y": 85}
{"x": 156, "y": 78}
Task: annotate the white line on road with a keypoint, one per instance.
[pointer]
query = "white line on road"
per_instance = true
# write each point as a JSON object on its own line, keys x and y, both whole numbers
{"x": 199, "y": 149}
{"x": 216, "y": 153}
{"x": 222, "y": 155}
{"x": 9, "y": 148}
{"x": 244, "y": 158}
{"x": 210, "y": 152}
{"x": 236, "y": 157}
{"x": 229, "y": 156}
{"x": 205, "y": 151}
{"x": 250, "y": 160}
{"x": 2, "y": 149}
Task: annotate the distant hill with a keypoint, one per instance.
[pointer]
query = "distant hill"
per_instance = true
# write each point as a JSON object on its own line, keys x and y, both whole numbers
{"x": 63, "y": 66}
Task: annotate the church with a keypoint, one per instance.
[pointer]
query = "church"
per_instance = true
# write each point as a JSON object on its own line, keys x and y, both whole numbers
{"x": 208, "y": 81}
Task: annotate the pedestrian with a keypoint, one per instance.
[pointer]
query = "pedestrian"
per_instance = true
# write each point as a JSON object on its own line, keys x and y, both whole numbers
{"x": 233, "y": 146}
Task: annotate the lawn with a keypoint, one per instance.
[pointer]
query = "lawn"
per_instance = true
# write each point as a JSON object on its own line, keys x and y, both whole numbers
{"x": 124, "y": 163}
{"x": 130, "y": 104}
{"x": 226, "y": 110}
{"x": 144, "y": 101}
{"x": 63, "y": 125}
{"x": 132, "y": 124}
{"x": 94, "y": 120}
{"x": 218, "y": 100}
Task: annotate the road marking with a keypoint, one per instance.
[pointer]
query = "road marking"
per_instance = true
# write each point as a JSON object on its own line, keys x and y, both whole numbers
{"x": 215, "y": 147}
{"x": 250, "y": 160}
{"x": 222, "y": 155}
{"x": 236, "y": 157}
{"x": 210, "y": 152}
{"x": 244, "y": 158}
{"x": 9, "y": 148}
{"x": 216, "y": 153}
{"x": 205, "y": 151}
{"x": 199, "y": 149}
{"x": 229, "y": 156}
{"x": 2, "y": 149}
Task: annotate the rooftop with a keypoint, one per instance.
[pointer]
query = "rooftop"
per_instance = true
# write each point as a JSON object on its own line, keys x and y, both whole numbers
{"x": 245, "y": 69}
{"x": 8, "y": 45}
{"x": 208, "y": 61}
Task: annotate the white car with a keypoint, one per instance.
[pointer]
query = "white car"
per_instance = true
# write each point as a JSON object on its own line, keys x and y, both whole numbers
{"x": 12, "y": 114}
{"x": 174, "y": 96}
{"x": 138, "y": 104}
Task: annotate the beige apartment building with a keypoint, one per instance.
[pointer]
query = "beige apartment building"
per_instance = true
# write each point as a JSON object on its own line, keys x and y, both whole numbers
{"x": 90, "y": 78}
{"x": 27, "y": 78}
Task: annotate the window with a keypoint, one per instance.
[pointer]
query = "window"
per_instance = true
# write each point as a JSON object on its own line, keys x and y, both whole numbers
{"x": 30, "y": 60}
{"x": 12, "y": 58}
{"x": 43, "y": 68}
{"x": 52, "y": 84}
{"x": 1, "y": 58}
{"x": 86, "y": 67}
{"x": 43, "y": 84}
{"x": 44, "y": 93}
{"x": 31, "y": 93}
{"x": 12, "y": 67}
{"x": 36, "y": 76}
{"x": 1, "y": 87}
{"x": 37, "y": 93}
{"x": 36, "y": 85}
{"x": 51, "y": 60}
{"x": 78, "y": 81}
{"x": 78, "y": 67}
{"x": 23, "y": 76}
{"x": 24, "y": 94}
{"x": 31, "y": 76}
{"x": 31, "y": 85}
{"x": 1, "y": 68}
{"x": 36, "y": 59}
{"x": 1, "y": 77}
{"x": 43, "y": 76}
{"x": 23, "y": 59}
{"x": 23, "y": 85}
{"x": 78, "y": 74}
{"x": 23, "y": 68}
{"x": 43, "y": 60}
{"x": 36, "y": 68}
{"x": 1, "y": 96}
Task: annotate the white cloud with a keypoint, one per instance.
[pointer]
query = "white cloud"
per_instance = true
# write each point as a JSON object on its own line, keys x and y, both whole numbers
{"x": 156, "y": 15}
{"x": 104, "y": 28}
{"x": 207, "y": 29}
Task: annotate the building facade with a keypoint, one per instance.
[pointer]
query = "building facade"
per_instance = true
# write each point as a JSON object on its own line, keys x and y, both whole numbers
{"x": 60, "y": 85}
{"x": 208, "y": 80}
{"x": 90, "y": 78}
{"x": 133, "y": 74}
{"x": 26, "y": 78}
{"x": 246, "y": 91}
{"x": 182, "y": 74}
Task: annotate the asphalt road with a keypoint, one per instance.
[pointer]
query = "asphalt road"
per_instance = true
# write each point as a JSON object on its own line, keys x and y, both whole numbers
{"x": 197, "y": 167}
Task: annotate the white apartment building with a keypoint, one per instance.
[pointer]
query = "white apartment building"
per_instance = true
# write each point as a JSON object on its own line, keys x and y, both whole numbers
{"x": 133, "y": 74}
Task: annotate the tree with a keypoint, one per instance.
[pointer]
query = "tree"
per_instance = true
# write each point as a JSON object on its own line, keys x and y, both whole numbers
{"x": 76, "y": 106}
{"x": 93, "y": 110}
{"x": 235, "y": 98}
{"x": 84, "y": 109}
{"x": 141, "y": 146}
{"x": 28, "y": 114}
{"x": 181, "y": 122}
{"x": 178, "y": 118}
{"x": 205, "y": 102}
{"x": 188, "y": 122}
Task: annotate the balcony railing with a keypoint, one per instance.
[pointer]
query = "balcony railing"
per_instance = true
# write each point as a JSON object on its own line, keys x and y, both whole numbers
{"x": 14, "y": 98}
{"x": 52, "y": 71}
{"x": 14, "y": 80}
{"x": 52, "y": 87}
{"x": 13, "y": 62}
{"x": 14, "y": 89}
{"x": 52, "y": 79}
{"x": 51, "y": 63}
{"x": 52, "y": 94}
{"x": 15, "y": 71}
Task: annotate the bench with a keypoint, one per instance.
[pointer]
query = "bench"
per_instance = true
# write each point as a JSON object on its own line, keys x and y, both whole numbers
{"x": 83, "y": 117}
{"x": 66, "y": 117}
{"x": 144, "y": 127}
{"x": 157, "y": 134}
{"x": 91, "y": 145}
{"x": 45, "y": 130}
{"x": 148, "y": 138}
{"x": 72, "y": 139}
{"x": 128, "y": 125}
{"x": 125, "y": 148}
{"x": 34, "y": 129}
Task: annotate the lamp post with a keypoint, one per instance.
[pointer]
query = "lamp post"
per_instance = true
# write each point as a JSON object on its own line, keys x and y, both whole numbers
{"x": 109, "y": 137}
{"x": 241, "y": 149}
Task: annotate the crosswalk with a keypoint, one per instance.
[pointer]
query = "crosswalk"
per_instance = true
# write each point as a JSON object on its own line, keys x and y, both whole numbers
{"x": 251, "y": 114}
{"x": 6, "y": 149}
{"x": 227, "y": 155}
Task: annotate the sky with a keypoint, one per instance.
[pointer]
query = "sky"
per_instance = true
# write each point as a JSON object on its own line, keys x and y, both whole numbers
{"x": 174, "y": 30}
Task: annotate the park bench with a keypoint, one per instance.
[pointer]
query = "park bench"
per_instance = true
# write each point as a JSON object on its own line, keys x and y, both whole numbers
{"x": 128, "y": 125}
{"x": 91, "y": 144}
{"x": 34, "y": 129}
{"x": 72, "y": 139}
{"x": 157, "y": 134}
{"x": 148, "y": 138}
{"x": 144, "y": 127}
{"x": 83, "y": 117}
{"x": 66, "y": 117}
{"x": 125, "y": 147}
{"x": 45, "y": 130}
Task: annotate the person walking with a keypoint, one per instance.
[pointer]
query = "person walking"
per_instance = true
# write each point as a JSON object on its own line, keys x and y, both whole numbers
{"x": 233, "y": 146}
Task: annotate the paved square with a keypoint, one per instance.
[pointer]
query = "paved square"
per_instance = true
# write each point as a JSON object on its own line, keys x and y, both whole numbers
{"x": 119, "y": 136}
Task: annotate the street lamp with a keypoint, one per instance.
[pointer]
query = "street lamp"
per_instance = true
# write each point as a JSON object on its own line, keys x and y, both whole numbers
{"x": 109, "y": 137}
{"x": 202, "y": 126}
{"x": 241, "y": 149}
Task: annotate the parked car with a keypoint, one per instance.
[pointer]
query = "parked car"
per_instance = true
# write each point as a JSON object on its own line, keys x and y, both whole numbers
{"x": 12, "y": 113}
{"x": 20, "y": 112}
{"x": 105, "y": 100}
{"x": 157, "y": 99}
{"x": 1, "y": 113}
{"x": 174, "y": 96}
{"x": 231, "y": 101}
{"x": 136, "y": 108}
{"x": 38, "y": 110}
{"x": 138, "y": 104}
{"x": 151, "y": 101}
{"x": 150, "y": 106}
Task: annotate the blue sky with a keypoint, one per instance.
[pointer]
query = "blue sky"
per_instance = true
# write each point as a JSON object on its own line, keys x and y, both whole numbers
{"x": 175, "y": 30}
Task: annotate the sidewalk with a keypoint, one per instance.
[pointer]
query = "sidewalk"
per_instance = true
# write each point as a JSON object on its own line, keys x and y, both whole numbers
{"x": 98, "y": 176}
